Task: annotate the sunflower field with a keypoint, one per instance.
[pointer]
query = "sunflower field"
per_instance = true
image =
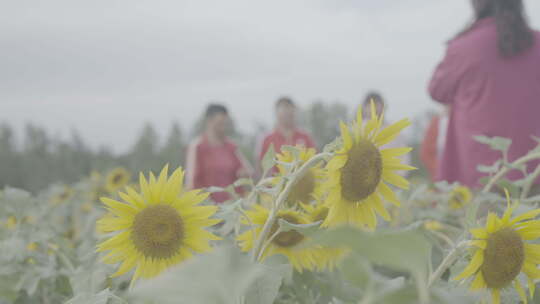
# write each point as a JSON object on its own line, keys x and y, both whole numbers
{"x": 341, "y": 226}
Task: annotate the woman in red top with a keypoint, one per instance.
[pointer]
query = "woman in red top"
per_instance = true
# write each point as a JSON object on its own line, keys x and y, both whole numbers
{"x": 212, "y": 158}
{"x": 286, "y": 132}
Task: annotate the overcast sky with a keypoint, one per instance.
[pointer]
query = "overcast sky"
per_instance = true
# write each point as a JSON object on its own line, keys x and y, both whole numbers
{"x": 105, "y": 67}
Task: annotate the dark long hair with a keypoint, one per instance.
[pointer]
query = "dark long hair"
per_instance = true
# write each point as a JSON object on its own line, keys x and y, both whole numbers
{"x": 515, "y": 35}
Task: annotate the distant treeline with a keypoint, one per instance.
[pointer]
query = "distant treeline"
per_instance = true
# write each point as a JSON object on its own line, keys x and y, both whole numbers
{"x": 40, "y": 159}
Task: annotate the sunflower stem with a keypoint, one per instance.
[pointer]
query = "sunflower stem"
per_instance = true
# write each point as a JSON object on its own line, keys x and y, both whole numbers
{"x": 267, "y": 243}
{"x": 447, "y": 262}
{"x": 508, "y": 168}
{"x": 443, "y": 237}
{"x": 423, "y": 290}
{"x": 257, "y": 249}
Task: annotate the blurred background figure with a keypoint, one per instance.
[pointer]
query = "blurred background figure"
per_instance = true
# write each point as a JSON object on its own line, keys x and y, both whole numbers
{"x": 380, "y": 106}
{"x": 212, "y": 158}
{"x": 286, "y": 131}
{"x": 433, "y": 143}
{"x": 491, "y": 78}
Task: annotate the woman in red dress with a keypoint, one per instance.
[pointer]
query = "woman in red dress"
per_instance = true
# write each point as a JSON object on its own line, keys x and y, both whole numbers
{"x": 212, "y": 158}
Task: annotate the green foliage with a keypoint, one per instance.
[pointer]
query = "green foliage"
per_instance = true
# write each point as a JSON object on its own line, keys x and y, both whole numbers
{"x": 224, "y": 276}
{"x": 48, "y": 247}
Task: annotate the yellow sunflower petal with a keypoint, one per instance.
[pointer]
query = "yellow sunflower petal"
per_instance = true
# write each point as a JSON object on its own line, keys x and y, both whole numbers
{"x": 395, "y": 152}
{"x": 346, "y": 135}
{"x": 525, "y": 216}
{"x": 495, "y": 296}
{"x": 173, "y": 187}
{"x": 119, "y": 208}
{"x": 359, "y": 123}
{"x": 129, "y": 199}
{"x": 126, "y": 266}
{"x": 532, "y": 252}
{"x": 491, "y": 225}
{"x": 482, "y": 244}
{"x": 337, "y": 162}
{"x": 379, "y": 207}
{"x": 391, "y": 132}
{"x": 478, "y": 282}
{"x": 396, "y": 180}
{"x": 144, "y": 187}
{"x": 388, "y": 194}
{"x": 479, "y": 233}
{"x": 532, "y": 287}
{"x": 473, "y": 266}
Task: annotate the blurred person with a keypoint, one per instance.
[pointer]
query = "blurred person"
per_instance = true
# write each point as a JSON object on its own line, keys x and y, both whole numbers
{"x": 490, "y": 76}
{"x": 380, "y": 107}
{"x": 212, "y": 158}
{"x": 433, "y": 142}
{"x": 286, "y": 132}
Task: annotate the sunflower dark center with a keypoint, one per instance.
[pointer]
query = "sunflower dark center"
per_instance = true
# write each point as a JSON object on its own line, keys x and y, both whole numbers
{"x": 158, "y": 231}
{"x": 362, "y": 172}
{"x": 117, "y": 178}
{"x": 503, "y": 258}
{"x": 302, "y": 191}
{"x": 64, "y": 195}
{"x": 458, "y": 198}
{"x": 289, "y": 238}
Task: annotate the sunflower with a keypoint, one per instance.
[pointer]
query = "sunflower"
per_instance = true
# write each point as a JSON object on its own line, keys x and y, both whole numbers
{"x": 433, "y": 225}
{"x": 158, "y": 227}
{"x": 502, "y": 252}
{"x": 65, "y": 194}
{"x": 33, "y": 246}
{"x": 459, "y": 197}
{"x": 290, "y": 243}
{"x": 11, "y": 223}
{"x": 306, "y": 189}
{"x": 116, "y": 179}
{"x": 359, "y": 172}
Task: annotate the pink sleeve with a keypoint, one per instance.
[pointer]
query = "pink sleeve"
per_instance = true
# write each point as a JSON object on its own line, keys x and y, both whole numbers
{"x": 446, "y": 78}
{"x": 192, "y": 167}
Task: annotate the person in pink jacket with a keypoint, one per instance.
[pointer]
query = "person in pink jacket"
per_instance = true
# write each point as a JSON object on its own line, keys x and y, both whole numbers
{"x": 490, "y": 76}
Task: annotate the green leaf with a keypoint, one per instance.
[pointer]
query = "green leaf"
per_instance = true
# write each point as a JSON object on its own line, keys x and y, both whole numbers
{"x": 90, "y": 298}
{"x": 243, "y": 182}
{"x": 334, "y": 145}
{"x": 305, "y": 229}
{"x": 490, "y": 169}
{"x": 496, "y": 143}
{"x": 380, "y": 247}
{"x": 8, "y": 292}
{"x": 265, "y": 288}
{"x": 504, "y": 183}
{"x": 406, "y": 250}
{"x": 88, "y": 281}
{"x": 357, "y": 270}
{"x": 221, "y": 277}
{"x": 407, "y": 294}
{"x": 215, "y": 189}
